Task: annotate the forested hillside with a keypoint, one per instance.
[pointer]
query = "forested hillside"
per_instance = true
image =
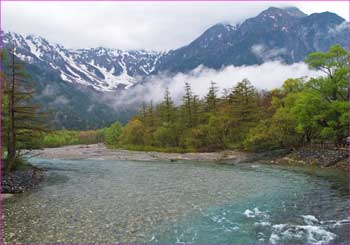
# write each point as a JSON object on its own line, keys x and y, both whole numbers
{"x": 300, "y": 112}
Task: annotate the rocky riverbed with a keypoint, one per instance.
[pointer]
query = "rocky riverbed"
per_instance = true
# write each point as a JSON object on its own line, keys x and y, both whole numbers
{"x": 163, "y": 202}
{"x": 101, "y": 152}
{"x": 303, "y": 156}
{"x": 21, "y": 181}
{"x": 323, "y": 158}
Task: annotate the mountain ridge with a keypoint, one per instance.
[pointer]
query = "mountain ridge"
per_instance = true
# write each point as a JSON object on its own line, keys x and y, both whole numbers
{"x": 287, "y": 35}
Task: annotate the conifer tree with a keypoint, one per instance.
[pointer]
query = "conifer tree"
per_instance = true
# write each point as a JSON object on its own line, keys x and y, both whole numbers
{"x": 212, "y": 98}
{"x": 167, "y": 108}
{"x": 187, "y": 106}
{"x": 195, "y": 110}
{"x": 244, "y": 101}
{"x": 150, "y": 115}
{"x": 144, "y": 112}
{"x": 24, "y": 121}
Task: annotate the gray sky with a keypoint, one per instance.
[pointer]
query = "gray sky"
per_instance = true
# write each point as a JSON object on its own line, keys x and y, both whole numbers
{"x": 136, "y": 25}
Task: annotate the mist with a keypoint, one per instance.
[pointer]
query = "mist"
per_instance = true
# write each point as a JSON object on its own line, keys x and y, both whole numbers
{"x": 266, "y": 76}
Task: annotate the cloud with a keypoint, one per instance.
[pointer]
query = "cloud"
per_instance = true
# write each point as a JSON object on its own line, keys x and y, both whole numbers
{"x": 339, "y": 28}
{"x": 135, "y": 25}
{"x": 268, "y": 75}
{"x": 48, "y": 91}
{"x": 61, "y": 100}
{"x": 265, "y": 53}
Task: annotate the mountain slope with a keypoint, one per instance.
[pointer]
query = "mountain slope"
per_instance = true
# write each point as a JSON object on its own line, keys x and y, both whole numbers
{"x": 284, "y": 34}
{"x": 100, "y": 68}
{"x": 75, "y": 83}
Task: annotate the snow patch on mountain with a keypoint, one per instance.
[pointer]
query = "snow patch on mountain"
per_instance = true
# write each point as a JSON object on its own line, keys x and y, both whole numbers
{"x": 101, "y": 68}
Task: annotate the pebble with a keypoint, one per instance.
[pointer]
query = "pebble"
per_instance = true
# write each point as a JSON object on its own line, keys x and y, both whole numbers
{"x": 20, "y": 181}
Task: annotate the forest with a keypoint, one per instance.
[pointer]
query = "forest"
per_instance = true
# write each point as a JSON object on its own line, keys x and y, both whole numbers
{"x": 301, "y": 112}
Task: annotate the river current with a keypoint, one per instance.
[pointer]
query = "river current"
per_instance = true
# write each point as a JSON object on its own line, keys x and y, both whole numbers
{"x": 89, "y": 201}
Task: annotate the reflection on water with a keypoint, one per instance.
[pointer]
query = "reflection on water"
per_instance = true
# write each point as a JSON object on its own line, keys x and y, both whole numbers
{"x": 162, "y": 202}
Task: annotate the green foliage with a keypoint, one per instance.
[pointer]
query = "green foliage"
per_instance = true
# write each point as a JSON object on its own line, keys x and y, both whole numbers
{"x": 134, "y": 133}
{"x": 112, "y": 133}
{"x": 260, "y": 138}
{"x": 22, "y": 120}
{"x": 300, "y": 112}
{"x": 212, "y": 98}
{"x": 66, "y": 137}
{"x": 168, "y": 135}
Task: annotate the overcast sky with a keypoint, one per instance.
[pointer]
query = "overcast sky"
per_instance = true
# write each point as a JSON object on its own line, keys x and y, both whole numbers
{"x": 136, "y": 25}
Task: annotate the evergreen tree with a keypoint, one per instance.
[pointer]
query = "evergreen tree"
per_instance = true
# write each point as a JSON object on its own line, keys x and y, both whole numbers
{"x": 144, "y": 113}
{"x": 167, "y": 108}
{"x": 244, "y": 101}
{"x": 187, "y": 106}
{"x": 150, "y": 115}
{"x": 195, "y": 110}
{"x": 244, "y": 110}
{"x": 24, "y": 122}
{"x": 212, "y": 98}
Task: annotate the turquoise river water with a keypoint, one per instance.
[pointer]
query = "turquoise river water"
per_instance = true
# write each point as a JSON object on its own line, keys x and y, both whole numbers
{"x": 89, "y": 201}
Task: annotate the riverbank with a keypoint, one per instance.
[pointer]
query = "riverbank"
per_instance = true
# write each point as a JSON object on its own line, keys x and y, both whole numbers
{"x": 101, "y": 152}
{"x": 21, "y": 180}
{"x": 323, "y": 158}
{"x": 144, "y": 202}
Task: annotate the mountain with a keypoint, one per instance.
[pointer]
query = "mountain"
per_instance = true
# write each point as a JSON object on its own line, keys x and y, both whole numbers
{"x": 74, "y": 83}
{"x": 100, "y": 68}
{"x": 275, "y": 34}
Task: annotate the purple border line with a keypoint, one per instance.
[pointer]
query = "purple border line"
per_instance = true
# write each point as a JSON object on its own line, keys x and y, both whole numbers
{"x": 1, "y": 45}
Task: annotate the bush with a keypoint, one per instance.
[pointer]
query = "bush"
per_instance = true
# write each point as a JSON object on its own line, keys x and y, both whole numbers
{"x": 259, "y": 139}
{"x": 65, "y": 137}
{"x": 112, "y": 134}
{"x": 167, "y": 135}
{"x": 133, "y": 133}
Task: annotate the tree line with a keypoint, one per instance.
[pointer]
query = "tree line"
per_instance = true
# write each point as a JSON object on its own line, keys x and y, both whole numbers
{"x": 299, "y": 113}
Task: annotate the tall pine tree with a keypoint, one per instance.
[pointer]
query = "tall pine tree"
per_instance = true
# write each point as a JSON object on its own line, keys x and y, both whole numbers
{"x": 23, "y": 120}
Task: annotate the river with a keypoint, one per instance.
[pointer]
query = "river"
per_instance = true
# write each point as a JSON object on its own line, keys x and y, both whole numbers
{"x": 91, "y": 201}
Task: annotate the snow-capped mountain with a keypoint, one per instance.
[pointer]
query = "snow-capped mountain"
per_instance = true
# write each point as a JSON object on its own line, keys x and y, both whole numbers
{"x": 284, "y": 34}
{"x": 75, "y": 83}
{"x": 103, "y": 69}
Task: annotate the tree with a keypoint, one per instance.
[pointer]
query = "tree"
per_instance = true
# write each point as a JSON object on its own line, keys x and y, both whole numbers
{"x": 244, "y": 101}
{"x": 167, "y": 135}
{"x": 133, "y": 133}
{"x": 187, "y": 106}
{"x": 24, "y": 121}
{"x": 112, "y": 133}
{"x": 150, "y": 120}
{"x": 195, "y": 110}
{"x": 143, "y": 112}
{"x": 167, "y": 108}
{"x": 212, "y": 98}
{"x": 332, "y": 89}
{"x": 244, "y": 109}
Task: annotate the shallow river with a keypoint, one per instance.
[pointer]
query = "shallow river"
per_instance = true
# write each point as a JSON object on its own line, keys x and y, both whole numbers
{"x": 162, "y": 202}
